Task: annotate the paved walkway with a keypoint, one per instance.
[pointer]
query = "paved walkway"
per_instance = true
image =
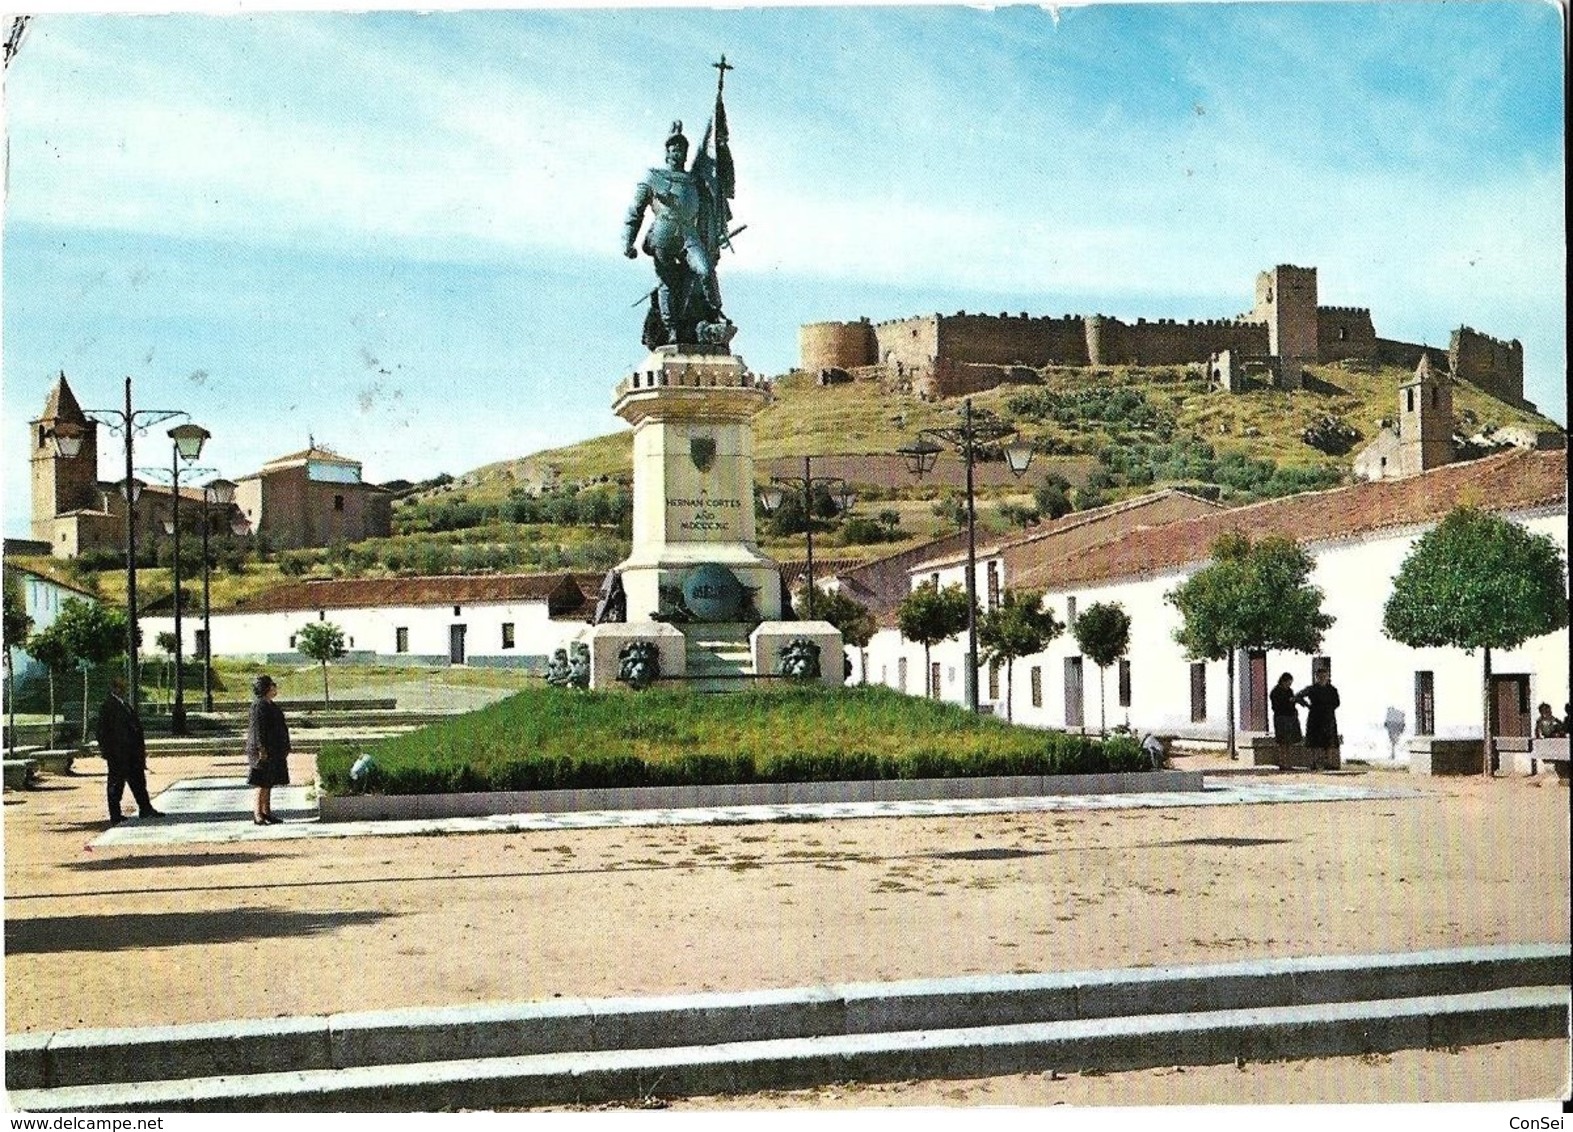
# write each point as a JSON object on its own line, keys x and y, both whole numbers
{"x": 205, "y": 810}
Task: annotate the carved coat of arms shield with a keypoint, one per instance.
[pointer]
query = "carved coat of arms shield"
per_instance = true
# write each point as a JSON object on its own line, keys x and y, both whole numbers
{"x": 702, "y": 450}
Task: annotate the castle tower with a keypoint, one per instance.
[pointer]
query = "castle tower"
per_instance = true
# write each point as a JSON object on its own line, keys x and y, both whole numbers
{"x": 1425, "y": 420}
{"x": 60, "y": 484}
{"x": 1286, "y": 302}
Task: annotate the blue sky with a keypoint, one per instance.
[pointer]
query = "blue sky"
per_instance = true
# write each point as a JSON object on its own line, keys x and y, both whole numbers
{"x": 400, "y": 233}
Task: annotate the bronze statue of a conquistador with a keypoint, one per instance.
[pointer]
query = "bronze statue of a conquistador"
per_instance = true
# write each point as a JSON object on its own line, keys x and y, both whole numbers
{"x": 687, "y": 230}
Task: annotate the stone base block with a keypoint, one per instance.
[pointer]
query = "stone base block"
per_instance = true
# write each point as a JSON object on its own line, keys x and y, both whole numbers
{"x": 1429, "y": 755}
{"x": 606, "y": 641}
{"x": 771, "y": 637}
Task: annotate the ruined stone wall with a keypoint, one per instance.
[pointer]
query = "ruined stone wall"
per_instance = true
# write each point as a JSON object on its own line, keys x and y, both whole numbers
{"x": 1493, "y": 365}
{"x": 908, "y": 346}
{"x": 1344, "y": 332}
{"x": 1168, "y": 341}
{"x": 1404, "y": 354}
{"x": 836, "y": 345}
{"x": 1006, "y": 340}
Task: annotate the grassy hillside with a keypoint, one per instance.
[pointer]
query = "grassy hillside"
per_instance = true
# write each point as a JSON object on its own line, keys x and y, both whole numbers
{"x": 1110, "y": 433}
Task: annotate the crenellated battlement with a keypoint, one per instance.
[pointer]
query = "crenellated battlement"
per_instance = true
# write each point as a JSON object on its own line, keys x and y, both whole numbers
{"x": 945, "y": 355}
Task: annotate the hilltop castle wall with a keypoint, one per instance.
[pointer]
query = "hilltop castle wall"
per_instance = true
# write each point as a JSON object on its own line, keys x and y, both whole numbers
{"x": 1344, "y": 332}
{"x": 939, "y": 355}
{"x": 1493, "y": 365}
{"x": 837, "y": 345}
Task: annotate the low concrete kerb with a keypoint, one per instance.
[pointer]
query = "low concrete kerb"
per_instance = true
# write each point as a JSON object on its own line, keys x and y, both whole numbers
{"x": 382, "y": 807}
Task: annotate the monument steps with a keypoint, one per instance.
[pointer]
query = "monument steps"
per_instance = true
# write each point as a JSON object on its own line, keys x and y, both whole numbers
{"x": 720, "y": 657}
{"x": 576, "y": 1051}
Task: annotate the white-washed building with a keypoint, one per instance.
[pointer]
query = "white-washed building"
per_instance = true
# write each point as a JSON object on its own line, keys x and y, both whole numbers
{"x": 1357, "y": 537}
{"x": 492, "y": 620}
{"x": 42, "y": 597}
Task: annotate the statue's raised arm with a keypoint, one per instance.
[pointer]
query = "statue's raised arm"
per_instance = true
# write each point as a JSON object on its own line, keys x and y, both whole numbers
{"x": 687, "y": 228}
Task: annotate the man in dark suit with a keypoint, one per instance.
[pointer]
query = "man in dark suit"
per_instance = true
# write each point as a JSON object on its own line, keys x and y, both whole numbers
{"x": 120, "y": 742}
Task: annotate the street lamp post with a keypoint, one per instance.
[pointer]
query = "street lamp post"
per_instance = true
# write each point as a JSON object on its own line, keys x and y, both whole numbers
{"x": 221, "y": 493}
{"x": 187, "y": 447}
{"x": 967, "y": 439}
{"x": 127, "y": 423}
{"x": 770, "y": 498}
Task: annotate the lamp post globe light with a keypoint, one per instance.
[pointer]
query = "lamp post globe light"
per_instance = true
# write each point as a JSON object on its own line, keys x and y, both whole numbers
{"x": 127, "y": 423}
{"x": 771, "y": 498}
{"x": 921, "y": 455}
{"x": 215, "y": 493}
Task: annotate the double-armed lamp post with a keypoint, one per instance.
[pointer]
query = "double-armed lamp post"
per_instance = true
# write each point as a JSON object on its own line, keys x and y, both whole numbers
{"x": 771, "y": 498}
{"x": 127, "y": 423}
{"x": 984, "y": 434}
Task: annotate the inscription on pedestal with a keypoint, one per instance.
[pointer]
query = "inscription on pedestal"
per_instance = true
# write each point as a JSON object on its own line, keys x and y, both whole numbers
{"x": 704, "y": 518}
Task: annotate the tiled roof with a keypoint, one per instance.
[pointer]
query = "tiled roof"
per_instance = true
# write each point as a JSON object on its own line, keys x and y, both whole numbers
{"x": 557, "y": 590}
{"x": 795, "y": 572}
{"x": 47, "y": 574}
{"x": 319, "y": 454}
{"x": 1517, "y": 480}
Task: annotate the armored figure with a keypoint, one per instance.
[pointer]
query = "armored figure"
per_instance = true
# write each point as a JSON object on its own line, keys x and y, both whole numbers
{"x": 687, "y": 230}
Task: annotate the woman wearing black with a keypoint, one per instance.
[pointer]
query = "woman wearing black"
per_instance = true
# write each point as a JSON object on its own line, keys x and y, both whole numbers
{"x": 267, "y": 748}
{"x": 1321, "y": 720}
{"x": 1286, "y": 717}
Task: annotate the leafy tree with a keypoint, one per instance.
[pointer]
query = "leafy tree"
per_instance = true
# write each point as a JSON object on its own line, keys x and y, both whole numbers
{"x": 1103, "y": 633}
{"x": 929, "y": 615}
{"x": 1019, "y": 627}
{"x": 17, "y": 626}
{"x": 49, "y": 648}
{"x": 1249, "y": 597}
{"x": 851, "y": 618}
{"x": 1477, "y": 581}
{"x": 94, "y": 634}
{"x": 951, "y": 510}
{"x": 1052, "y": 498}
{"x": 1017, "y": 515}
{"x": 320, "y": 641}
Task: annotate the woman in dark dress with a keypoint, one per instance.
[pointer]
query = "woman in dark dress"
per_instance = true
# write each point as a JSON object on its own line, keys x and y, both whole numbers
{"x": 1286, "y": 717}
{"x": 267, "y": 748}
{"x": 1321, "y": 721}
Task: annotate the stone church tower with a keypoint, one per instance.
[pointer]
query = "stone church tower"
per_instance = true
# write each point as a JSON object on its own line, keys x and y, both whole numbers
{"x": 62, "y": 485}
{"x": 1425, "y": 420}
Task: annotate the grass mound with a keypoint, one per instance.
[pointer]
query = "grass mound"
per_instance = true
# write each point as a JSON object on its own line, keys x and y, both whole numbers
{"x": 545, "y": 739}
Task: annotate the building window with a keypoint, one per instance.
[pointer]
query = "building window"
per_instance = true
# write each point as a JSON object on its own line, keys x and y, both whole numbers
{"x": 1199, "y": 693}
{"x": 1125, "y": 683}
{"x": 507, "y": 634}
{"x": 934, "y": 685}
{"x": 292, "y": 640}
{"x": 994, "y": 585}
{"x": 322, "y": 615}
{"x": 1036, "y": 680}
{"x": 994, "y": 681}
{"x": 456, "y": 611}
{"x": 1070, "y": 612}
{"x": 401, "y": 639}
{"x": 1434, "y": 396}
{"x": 1409, "y": 400}
{"x": 1425, "y": 703}
{"x": 1343, "y": 334}
{"x": 338, "y": 503}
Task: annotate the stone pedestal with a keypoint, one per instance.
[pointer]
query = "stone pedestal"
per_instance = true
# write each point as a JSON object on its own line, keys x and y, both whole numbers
{"x": 694, "y": 543}
{"x": 1430, "y": 755}
{"x": 772, "y": 637}
{"x": 607, "y": 641}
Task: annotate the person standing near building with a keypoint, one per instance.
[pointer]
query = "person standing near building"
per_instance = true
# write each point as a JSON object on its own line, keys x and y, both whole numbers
{"x": 267, "y": 749}
{"x": 1320, "y": 700}
{"x": 1286, "y": 717}
{"x": 121, "y": 743}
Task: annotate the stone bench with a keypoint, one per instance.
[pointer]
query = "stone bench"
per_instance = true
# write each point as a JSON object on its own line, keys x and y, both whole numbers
{"x": 1431, "y": 755}
{"x": 19, "y": 773}
{"x": 1553, "y": 751}
{"x": 58, "y": 761}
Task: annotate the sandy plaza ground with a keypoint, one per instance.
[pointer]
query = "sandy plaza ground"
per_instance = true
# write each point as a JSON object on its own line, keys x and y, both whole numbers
{"x": 101, "y": 936}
